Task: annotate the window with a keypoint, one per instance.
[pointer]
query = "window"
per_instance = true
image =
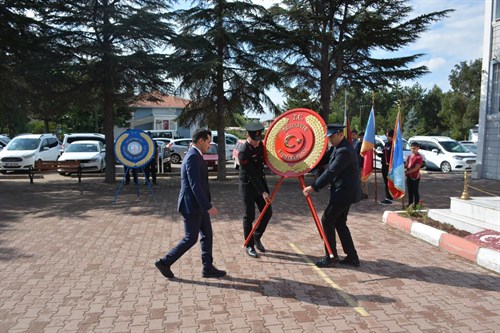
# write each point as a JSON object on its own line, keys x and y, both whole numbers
{"x": 495, "y": 92}
{"x": 496, "y": 10}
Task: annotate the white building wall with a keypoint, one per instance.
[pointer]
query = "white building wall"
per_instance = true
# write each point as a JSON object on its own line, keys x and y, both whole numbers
{"x": 488, "y": 158}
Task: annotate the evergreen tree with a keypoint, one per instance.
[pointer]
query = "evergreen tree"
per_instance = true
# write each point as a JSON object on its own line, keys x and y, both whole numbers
{"x": 112, "y": 48}
{"x": 217, "y": 66}
{"x": 326, "y": 45}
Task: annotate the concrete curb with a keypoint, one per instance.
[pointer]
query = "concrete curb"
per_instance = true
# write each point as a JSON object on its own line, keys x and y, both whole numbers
{"x": 484, "y": 257}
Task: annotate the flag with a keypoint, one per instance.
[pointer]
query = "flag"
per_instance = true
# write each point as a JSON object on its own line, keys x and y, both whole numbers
{"x": 396, "y": 176}
{"x": 367, "y": 147}
{"x": 347, "y": 130}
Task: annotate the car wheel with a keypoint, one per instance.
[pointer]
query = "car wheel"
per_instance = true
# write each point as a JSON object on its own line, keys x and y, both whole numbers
{"x": 445, "y": 167}
{"x": 175, "y": 158}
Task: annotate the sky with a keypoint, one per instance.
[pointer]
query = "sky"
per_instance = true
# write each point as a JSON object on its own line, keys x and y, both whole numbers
{"x": 455, "y": 39}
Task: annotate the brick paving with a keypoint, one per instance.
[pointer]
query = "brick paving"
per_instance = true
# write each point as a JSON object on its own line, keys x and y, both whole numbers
{"x": 71, "y": 261}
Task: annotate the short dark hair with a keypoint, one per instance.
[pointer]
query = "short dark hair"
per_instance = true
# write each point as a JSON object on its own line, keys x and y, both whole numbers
{"x": 361, "y": 133}
{"x": 354, "y": 131}
{"x": 201, "y": 133}
{"x": 415, "y": 144}
{"x": 390, "y": 132}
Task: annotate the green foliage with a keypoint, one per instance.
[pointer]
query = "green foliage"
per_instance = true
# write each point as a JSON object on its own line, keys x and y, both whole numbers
{"x": 324, "y": 46}
{"x": 460, "y": 106}
{"x": 417, "y": 210}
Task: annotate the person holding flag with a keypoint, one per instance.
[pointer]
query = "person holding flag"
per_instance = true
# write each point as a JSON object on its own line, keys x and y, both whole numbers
{"x": 367, "y": 147}
{"x": 396, "y": 171}
{"x": 386, "y": 156}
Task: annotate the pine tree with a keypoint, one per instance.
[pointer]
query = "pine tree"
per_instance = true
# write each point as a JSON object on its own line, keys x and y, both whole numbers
{"x": 112, "y": 49}
{"x": 218, "y": 67}
{"x": 327, "y": 45}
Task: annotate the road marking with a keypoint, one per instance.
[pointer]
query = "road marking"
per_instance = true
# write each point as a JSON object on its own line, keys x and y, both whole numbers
{"x": 346, "y": 297}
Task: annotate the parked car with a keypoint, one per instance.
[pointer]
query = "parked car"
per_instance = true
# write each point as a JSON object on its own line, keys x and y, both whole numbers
{"x": 178, "y": 149}
{"x": 230, "y": 143}
{"x": 73, "y": 137}
{"x": 444, "y": 153}
{"x": 236, "y": 150}
{"x": 90, "y": 153}
{"x": 22, "y": 151}
{"x": 163, "y": 156}
{"x": 164, "y": 134}
{"x": 472, "y": 146}
{"x": 211, "y": 157}
{"x": 4, "y": 140}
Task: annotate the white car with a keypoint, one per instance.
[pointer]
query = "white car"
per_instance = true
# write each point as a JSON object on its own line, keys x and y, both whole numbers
{"x": 21, "y": 152}
{"x": 91, "y": 155}
{"x": 444, "y": 153}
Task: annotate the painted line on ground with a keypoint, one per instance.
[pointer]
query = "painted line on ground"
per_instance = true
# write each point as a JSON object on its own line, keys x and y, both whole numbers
{"x": 345, "y": 296}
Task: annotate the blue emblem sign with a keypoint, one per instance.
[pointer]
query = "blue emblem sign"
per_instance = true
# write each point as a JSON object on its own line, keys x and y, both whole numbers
{"x": 134, "y": 148}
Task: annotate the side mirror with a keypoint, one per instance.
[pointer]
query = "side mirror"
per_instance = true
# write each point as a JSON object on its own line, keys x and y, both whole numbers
{"x": 45, "y": 148}
{"x": 435, "y": 151}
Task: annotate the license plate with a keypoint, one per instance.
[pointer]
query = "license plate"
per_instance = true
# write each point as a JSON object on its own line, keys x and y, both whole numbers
{"x": 11, "y": 165}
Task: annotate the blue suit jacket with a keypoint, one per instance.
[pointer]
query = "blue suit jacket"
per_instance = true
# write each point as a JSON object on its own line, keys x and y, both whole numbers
{"x": 194, "y": 197}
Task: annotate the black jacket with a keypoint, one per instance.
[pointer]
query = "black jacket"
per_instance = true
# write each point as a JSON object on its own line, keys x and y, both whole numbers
{"x": 342, "y": 174}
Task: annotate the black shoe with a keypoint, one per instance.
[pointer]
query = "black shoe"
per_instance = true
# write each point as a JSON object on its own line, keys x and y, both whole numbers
{"x": 352, "y": 261}
{"x": 251, "y": 252}
{"x": 326, "y": 261}
{"x": 213, "y": 273}
{"x": 164, "y": 269}
{"x": 259, "y": 246}
{"x": 386, "y": 202}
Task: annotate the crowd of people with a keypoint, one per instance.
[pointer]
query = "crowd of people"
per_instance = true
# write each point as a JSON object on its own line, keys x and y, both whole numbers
{"x": 341, "y": 165}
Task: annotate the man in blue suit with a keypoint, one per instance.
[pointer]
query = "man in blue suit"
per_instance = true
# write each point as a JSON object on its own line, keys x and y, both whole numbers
{"x": 342, "y": 174}
{"x": 195, "y": 207}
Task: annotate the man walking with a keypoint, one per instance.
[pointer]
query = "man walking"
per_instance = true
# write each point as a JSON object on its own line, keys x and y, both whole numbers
{"x": 195, "y": 207}
{"x": 342, "y": 175}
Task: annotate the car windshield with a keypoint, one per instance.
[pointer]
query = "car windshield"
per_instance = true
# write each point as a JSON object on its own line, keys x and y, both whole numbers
{"x": 212, "y": 150}
{"x": 472, "y": 147}
{"x": 82, "y": 148}
{"x": 23, "y": 144}
{"x": 453, "y": 147}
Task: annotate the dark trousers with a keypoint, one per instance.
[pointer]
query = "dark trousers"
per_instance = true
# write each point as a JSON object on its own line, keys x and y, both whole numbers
{"x": 194, "y": 224}
{"x": 150, "y": 170}
{"x": 413, "y": 195}
{"x": 385, "y": 173}
{"x": 134, "y": 174}
{"x": 335, "y": 219}
{"x": 250, "y": 199}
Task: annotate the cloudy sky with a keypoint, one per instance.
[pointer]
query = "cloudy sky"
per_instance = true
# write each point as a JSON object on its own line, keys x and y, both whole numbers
{"x": 457, "y": 38}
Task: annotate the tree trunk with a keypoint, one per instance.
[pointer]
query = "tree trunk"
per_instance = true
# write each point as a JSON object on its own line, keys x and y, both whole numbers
{"x": 221, "y": 107}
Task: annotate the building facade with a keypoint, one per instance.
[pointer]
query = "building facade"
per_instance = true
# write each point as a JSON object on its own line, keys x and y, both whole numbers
{"x": 488, "y": 157}
{"x": 159, "y": 115}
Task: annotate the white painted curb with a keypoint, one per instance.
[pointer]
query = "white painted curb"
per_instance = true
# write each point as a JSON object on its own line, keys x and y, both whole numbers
{"x": 426, "y": 233}
{"x": 488, "y": 258}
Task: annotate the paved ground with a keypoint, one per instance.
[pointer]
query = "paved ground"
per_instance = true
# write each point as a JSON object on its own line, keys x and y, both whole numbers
{"x": 71, "y": 261}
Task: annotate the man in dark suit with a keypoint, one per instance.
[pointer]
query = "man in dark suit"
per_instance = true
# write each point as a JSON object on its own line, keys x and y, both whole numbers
{"x": 342, "y": 174}
{"x": 194, "y": 205}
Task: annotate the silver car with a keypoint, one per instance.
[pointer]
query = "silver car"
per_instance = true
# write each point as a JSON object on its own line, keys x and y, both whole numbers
{"x": 178, "y": 149}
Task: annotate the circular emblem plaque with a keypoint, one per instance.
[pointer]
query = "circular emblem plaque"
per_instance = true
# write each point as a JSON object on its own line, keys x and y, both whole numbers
{"x": 295, "y": 142}
{"x": 134, "y": 148}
